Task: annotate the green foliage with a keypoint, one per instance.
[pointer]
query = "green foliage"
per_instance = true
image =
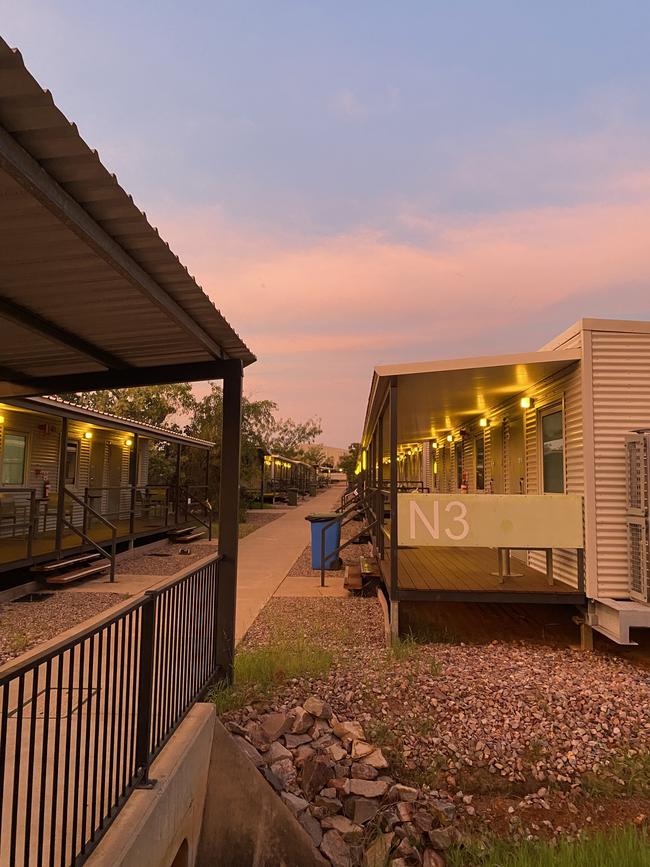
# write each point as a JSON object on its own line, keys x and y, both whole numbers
{"x": 149, "y": 404}
{"x": 314, "y": 455}
{"x": 628, "y": 774}
{"x": 403, "y": 647}
{"x": 258, "y": 670}
{"x": 348, "y": 462}
{"x": 626, "y": 847}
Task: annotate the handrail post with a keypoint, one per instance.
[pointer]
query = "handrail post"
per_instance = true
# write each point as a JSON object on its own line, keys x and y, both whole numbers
{"x": 84, "y": 524}
{"x": 145, "y": 690}
{"x": 113, "y": 553}
{"x": 33, "y": 517}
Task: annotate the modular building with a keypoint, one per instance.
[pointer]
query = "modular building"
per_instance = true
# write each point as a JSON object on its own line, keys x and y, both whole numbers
{"x": 517, "y": 477}
{"x": 68, "y": 472}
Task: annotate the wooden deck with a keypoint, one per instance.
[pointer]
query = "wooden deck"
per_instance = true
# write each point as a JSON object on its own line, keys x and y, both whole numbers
{"x": 461, "y": 573}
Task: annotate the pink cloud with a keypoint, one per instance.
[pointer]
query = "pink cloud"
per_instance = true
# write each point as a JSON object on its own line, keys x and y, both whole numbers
{"x": 320, "y": 313}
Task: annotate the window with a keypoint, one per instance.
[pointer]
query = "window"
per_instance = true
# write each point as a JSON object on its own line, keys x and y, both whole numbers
{"x": 13, "y": 459}
{"x": 479, "y": 453}
{"x": 458, "y": 451}
{"x": 552, "y": 426}
{"x": 71, "y": 454}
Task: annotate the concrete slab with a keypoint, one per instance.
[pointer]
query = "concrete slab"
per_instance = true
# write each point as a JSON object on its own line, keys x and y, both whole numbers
{"x": 266, "y": 556}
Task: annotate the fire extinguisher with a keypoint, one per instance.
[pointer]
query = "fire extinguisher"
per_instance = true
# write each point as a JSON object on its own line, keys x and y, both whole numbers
{"x": 46, "y": 486}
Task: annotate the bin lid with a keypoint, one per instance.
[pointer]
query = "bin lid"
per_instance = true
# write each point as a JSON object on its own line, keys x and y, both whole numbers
{"x": 322, "y": 516}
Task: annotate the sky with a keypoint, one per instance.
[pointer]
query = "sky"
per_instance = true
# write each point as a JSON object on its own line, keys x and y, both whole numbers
{"x": 359, "y": 183}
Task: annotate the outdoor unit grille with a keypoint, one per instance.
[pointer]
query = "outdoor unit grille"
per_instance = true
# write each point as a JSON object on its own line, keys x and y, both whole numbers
{"x": 637, "y": 448}
{"x": 637, "y": 547}
{"x": 636, "y": 463}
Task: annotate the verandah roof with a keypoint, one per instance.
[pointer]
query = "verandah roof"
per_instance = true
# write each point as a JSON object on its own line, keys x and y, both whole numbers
{"x": 90, "y": 295}
{"x": 438, "y": 396}
{"x": 59, "y": 407}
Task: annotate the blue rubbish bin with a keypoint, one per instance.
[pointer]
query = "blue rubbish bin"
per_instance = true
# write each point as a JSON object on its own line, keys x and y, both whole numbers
{"x": 332, "y": 539}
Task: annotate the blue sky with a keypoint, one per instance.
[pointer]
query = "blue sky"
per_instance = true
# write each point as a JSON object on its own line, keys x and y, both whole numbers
{"x": 356, "y": 183}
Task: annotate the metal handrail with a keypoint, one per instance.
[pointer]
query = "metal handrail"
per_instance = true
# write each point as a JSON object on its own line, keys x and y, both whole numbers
{"x": 83, "y": 535}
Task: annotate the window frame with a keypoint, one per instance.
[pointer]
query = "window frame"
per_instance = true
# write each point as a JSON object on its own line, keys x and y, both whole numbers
{"x": 480, "y": 437}
{"x": 17, "y": 433}
{"x": 77, "y": 447}
{"x": 546, "y": 410}
{"x": 459, "y": 449}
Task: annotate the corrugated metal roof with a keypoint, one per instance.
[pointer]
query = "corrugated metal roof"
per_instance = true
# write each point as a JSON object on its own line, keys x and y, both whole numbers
{"x": 65, "y": 407}
{"x": 77, "y": 251}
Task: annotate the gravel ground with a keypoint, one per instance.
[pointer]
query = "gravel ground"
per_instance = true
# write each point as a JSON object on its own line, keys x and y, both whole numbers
{"x": 150, "y": 562}
{"x": 349, "y": 555}
{"x": 538, "y": 740}
{"x": 23, "y": 625}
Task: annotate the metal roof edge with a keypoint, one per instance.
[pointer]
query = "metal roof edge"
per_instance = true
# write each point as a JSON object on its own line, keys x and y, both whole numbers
{"x": 61, "y": 407}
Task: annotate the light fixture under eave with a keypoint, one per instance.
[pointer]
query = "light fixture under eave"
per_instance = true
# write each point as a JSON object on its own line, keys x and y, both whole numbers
{"x": 484, "y": 422}
{"x": 128, "y": 442}
{"x": 526, "y": 402}
{"x": 88, "y": 435}
{"x": 450, "y": 438}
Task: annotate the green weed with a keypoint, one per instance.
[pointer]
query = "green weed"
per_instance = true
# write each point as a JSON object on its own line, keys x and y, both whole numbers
{"x": 625, "y": 847}
{"x": 258, "y": 670}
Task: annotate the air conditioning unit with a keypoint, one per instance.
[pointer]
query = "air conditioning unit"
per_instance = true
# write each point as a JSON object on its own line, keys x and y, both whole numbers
{"x": 637, "y": 464}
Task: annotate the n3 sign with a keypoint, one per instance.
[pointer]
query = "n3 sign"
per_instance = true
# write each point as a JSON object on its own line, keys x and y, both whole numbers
{"x": 490, "y": 520}
{"x": 457, "y": 527}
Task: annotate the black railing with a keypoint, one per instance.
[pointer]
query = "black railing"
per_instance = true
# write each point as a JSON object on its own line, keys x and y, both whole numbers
{"x": 81, "y": 722}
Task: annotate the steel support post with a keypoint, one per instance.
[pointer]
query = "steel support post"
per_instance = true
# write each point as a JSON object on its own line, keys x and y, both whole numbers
{"x": 133, "y": 481}
{"x": 228, "y": 520}
{"x": 60, "y": 503}
{"x": 393, "y": 488}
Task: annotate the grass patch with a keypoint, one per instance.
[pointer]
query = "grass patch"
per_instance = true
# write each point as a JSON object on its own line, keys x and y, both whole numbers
{"x": 626, "y": 847}
{"x": 403, "y": 648}
{"x": 18, "y": 642}
{"x": 259, "y": 670}
{"x": 629, "y": 775}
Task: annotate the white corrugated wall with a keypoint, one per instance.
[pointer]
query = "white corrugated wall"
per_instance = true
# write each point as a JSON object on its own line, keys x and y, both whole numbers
{"x": 566, "y": 390}
{"x": 621, "y": 403}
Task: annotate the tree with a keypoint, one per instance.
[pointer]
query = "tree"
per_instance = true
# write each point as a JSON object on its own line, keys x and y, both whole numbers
{"x": 314, "y": 455}
{"x": 288, "y": 437}
{"x": 151, "y": 404}
{"x": 348, "y": 462}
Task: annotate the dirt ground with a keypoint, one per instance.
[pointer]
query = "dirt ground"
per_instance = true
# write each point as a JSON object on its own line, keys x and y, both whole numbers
{"x": 529, "y": 738}
{"x": 31, "y": 620}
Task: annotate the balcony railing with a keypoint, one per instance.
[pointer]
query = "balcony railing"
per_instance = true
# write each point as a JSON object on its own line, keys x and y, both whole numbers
{"x": 81, "y": 722}
{"x": 99, "y": 516}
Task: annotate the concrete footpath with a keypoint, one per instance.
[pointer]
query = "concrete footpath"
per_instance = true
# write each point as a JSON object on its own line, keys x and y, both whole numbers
{"x": 266, "y": 556}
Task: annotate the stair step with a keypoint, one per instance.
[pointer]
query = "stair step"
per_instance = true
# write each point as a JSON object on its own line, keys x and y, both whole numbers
{"x": 77, "y": 574}
{"x": 191, "y": 537}
{"x": 353, "y": 578}
{"x": 369, "y": 567}
{"x": 180, "y": 531}
{"x": 55, "y": 565}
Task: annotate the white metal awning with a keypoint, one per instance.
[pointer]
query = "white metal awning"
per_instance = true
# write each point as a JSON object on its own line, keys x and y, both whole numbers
{"x": 437, "y": 396}
{"x": 90, "y": 295}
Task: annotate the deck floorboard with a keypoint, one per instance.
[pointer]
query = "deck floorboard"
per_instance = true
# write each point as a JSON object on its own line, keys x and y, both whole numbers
{"x": 467, "y": 570}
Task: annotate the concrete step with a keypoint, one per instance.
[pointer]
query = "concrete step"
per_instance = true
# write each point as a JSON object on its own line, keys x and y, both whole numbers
{"x": 65, "y": 563}
{"x": 180, "y": 531}
{"x": 78, "y": 574}
{"x": 190, "y": 537}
